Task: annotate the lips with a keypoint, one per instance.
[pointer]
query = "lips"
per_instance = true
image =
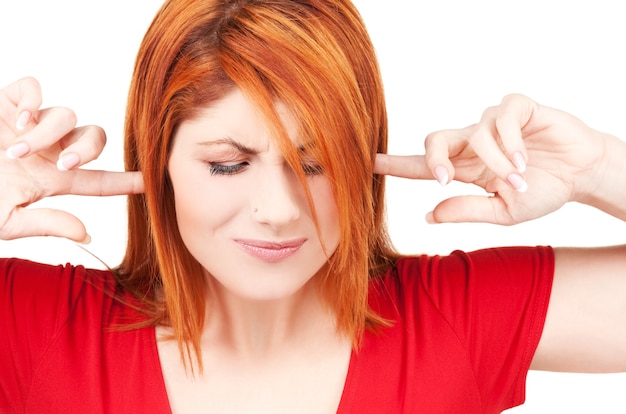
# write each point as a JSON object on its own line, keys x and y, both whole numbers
{"x": 269, "y": 251}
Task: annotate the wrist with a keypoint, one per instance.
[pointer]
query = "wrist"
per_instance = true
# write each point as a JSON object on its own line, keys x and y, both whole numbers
{"x": 605, "y": 188}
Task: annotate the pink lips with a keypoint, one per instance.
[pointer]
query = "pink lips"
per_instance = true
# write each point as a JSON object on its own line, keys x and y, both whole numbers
{"x": 271, "y": 252}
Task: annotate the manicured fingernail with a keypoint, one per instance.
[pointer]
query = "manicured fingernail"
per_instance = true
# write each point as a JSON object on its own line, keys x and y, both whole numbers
{"x": 518, "y": 182}
{"x": 441, "y": 174}
{"x": 520, "y": 163}
{"x": 67, "y": 162}
{"x": 22, "y": 120}
{"x": 86, "y": 240}
{"x": 18, "y": 150}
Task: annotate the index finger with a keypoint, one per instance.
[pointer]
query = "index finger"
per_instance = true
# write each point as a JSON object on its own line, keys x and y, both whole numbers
{"x": 106, "y": 183}
{"x": 404, "y": 166}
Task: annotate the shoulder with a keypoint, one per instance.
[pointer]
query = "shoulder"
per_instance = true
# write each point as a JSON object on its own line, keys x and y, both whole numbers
{"x": 47, "y": 294}
{"x": 478, "y": 314}
{"x": 28, "y": 268}
{"x": 482, "y": 263}
{"x": 55, "y": 317}
{"x": 39, "y": 301}
{"x": 462, "y": 276}
{"x": 26, "y": 277}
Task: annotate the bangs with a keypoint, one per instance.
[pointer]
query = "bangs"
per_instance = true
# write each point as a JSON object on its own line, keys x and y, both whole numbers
{"x": 315, "y": 58}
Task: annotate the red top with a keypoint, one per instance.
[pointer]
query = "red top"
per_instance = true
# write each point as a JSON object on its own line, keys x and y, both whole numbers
{"x": 465, "y": 329}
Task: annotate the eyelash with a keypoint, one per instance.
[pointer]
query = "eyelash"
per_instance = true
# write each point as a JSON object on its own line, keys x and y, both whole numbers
{"x": 220, "y": 169}
{"x": 312, "y": 169}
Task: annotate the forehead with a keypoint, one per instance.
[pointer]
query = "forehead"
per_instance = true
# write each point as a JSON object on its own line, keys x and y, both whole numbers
{"x": 237, "y": 116}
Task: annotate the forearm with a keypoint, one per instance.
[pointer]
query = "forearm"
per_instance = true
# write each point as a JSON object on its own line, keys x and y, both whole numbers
{"x": 606, "y": 188}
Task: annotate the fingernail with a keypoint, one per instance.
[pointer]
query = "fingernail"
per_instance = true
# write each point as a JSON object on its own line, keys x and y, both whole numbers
{"x": 22, "y": 120}
{"x": 86, "y": 240}
{"x": 520, "y": 163}
{"x": 67, "y": 162}
{"x": 18, "y": 150}
{"x": 518, "y": 182}
{"x": 441, "y": 174}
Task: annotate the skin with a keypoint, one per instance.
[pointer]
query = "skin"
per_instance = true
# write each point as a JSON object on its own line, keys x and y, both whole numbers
{"x": 233, "y": 189}
{"x": 517, "y": 145}
{"x": 233, "y": 192}
{"x": 563, "y": 161}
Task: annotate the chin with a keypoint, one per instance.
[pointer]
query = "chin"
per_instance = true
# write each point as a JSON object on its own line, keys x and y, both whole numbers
{"x": 261, "y": 289}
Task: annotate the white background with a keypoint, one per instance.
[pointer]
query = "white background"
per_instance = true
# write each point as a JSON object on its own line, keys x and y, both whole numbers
{"x": 443, "y": 62}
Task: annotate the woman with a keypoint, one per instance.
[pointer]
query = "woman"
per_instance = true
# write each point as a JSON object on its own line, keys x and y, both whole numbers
{"x": 257, "y": 254}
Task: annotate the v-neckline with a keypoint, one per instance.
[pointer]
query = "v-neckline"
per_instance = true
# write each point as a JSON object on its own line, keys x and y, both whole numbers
{"x": 345, "y": 402}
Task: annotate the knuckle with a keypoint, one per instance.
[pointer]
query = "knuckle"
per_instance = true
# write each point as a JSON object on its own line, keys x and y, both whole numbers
{"x": 30, "y": 81}
{"x": 94, "y": 139}
{"x": 435, "y": 138}
{"x": 490, "y": 112}
{"x": 67, "y": 115}
{"x": 99, "y": 134}
{"x": 29, "y": 91}
{"x": 431, "y": 137}
{"x": 512, "y": 97}
{"x": 29, "y": 85}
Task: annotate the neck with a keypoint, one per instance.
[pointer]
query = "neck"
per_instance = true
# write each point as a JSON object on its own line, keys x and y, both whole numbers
{"x": 255, "y": 329}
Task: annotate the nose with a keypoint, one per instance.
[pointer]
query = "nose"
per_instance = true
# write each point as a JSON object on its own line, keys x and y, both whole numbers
{"x": 279, "y": 197}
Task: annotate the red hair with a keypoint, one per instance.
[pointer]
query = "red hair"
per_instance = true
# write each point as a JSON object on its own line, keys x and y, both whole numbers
{"x": 314, "y": 56}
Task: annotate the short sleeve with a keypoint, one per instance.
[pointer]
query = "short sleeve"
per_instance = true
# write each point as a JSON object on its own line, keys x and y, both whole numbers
{"x": 496, "y": 302}
{"x": 35, "y": 302}
{"x": 71, "y": 341}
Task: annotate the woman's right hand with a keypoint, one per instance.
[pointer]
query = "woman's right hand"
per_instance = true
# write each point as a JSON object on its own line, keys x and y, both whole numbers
{"x": 42, "y": 150}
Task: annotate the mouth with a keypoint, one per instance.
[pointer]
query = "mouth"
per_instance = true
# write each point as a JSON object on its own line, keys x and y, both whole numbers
{"x": 269, "y": 251}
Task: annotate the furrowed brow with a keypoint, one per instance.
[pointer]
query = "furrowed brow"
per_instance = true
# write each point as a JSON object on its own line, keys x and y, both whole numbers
{"x": 230, "y": 142}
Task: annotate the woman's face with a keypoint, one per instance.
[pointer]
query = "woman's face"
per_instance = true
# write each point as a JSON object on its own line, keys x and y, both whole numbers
{"x": 241, "y": 211}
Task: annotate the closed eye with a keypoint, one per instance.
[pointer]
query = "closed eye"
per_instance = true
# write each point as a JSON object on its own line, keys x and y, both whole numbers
{"x": 312, "y": 169}
{"x": 230, "y": 169}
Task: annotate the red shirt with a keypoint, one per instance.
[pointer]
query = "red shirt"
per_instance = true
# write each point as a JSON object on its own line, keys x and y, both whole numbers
{"x": 465, "y": 328}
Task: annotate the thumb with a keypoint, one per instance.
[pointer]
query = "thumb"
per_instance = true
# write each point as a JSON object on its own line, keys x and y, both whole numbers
{"x": 471, "y": 209}
{"x": 27, "y": 222}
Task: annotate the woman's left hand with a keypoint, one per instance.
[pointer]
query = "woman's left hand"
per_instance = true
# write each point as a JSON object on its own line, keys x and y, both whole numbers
{"x": 531, "y": 159}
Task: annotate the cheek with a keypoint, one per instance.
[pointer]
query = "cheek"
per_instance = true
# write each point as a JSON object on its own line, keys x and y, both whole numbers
{"x": 202, "y": 204}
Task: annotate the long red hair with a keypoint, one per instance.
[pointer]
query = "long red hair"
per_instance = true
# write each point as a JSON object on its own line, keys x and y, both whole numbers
{"x": 314, "y": 56}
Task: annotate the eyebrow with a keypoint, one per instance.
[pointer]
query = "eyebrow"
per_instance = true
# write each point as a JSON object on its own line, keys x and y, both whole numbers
{"x": 241, "y": 147}
{"x": 231, "y": 142}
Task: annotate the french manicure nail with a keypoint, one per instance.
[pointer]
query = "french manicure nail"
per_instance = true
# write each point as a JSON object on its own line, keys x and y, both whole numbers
{"x": 22, "y": 120}
{"x": 86, "y": 240}
{"x": 441, "y": 174}
{"x": 18, "y": 150}
{"x": 520, "y": 163}
{"x": 518, "y": 182}
{"x": 67, "y": 162}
